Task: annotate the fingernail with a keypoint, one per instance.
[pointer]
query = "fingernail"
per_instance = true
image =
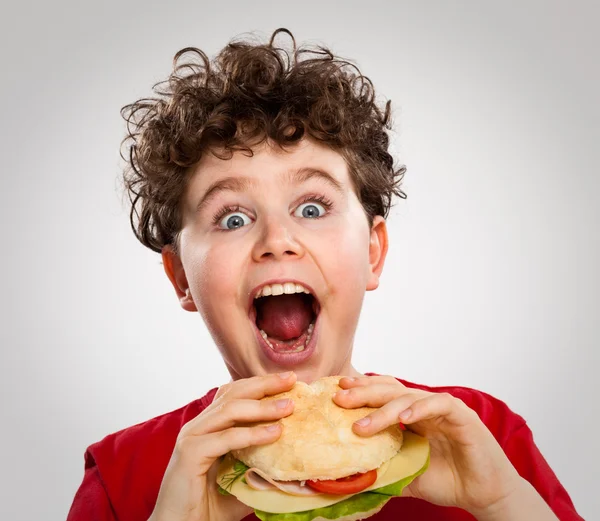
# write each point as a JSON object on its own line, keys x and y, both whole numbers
{"x": 272, "y": 428}
{"x": 282, "y": 404}
{"x": 286, "y": 375}
{"x": 344, "y": 391}
{"x": 405, "y": 415}
{"x": 363, "y": 422}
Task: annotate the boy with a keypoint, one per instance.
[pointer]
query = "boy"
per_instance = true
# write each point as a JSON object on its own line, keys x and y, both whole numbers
{"x": 263, "y": 179}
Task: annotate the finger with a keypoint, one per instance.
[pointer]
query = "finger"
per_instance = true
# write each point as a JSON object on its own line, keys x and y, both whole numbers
{"x": 436, "y": 405}
{"x": 234, "y": 412}
{"x": 374, "y": 395}
{"x": 347, "y": 382}
{"x": 388, "y": 414}
{"x": 258, "y": 387}
{"x": 219, "y": 415}
{"x": 202, "y": 451}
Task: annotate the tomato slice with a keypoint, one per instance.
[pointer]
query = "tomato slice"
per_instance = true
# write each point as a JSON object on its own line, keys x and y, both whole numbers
{"x": 348, "y": 485}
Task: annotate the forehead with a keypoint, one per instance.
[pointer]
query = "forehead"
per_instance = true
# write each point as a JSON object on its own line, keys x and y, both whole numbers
{"x": 269, "y": 163}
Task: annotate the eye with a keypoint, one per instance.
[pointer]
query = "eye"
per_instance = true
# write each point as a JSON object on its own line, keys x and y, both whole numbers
{"x": 310, "y": 210}
{"x": 234, "y": 220}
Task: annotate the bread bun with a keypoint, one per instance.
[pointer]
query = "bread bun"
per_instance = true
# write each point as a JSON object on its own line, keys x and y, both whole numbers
{"x": 317, "y": 441}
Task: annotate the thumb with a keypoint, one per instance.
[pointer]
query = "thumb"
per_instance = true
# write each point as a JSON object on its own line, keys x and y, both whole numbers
{"x": 412, "y": 489}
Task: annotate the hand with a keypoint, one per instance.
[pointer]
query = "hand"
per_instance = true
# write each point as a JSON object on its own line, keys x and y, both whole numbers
{"x": 468, "y": 468}
{"x": 189, "y": 491}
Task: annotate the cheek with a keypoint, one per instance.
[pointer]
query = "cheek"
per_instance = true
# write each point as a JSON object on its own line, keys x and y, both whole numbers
{"x": 214, "y": 273}
{"x": 347, "y": 253}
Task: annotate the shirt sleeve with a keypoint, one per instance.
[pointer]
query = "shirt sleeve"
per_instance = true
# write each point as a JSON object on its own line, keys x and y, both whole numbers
{"x": 91, "y": 501}
{"x": 531, "y": 465}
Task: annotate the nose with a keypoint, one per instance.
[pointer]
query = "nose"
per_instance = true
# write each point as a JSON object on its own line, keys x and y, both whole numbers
{"x": 277, "y": 242}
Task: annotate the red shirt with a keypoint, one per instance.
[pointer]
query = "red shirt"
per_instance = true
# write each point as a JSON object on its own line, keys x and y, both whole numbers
{"x": 123, "y": 472}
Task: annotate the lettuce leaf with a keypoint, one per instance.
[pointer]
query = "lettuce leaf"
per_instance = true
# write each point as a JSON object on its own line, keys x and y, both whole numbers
{"x": 360, "y": 503}
{"x": 222, "y": 491}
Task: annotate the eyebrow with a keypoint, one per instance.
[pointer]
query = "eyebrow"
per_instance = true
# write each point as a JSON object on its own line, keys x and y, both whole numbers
{"x": 227, "y": 184}
{"x": 241, "y": 184}
{"x": 304, "y": 174}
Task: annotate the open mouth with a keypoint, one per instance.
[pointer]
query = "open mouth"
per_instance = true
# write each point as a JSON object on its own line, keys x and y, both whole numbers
{"x": 285, "y": 316}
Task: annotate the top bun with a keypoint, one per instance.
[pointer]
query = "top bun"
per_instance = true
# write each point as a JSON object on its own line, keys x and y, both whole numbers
{"x": 317, "y": 441}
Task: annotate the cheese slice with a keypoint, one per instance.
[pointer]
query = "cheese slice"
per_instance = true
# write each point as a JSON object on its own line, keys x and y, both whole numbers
{"x": 411, "y": 458}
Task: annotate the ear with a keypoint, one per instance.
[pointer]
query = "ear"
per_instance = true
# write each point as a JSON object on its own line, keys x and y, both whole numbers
{"x": 176, "y": 273}
{"x": 378, "y": 247}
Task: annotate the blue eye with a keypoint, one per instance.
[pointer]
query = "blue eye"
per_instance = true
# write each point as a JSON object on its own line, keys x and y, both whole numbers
{"x": 234, "y": 220}
{"x": 310, "y": 210}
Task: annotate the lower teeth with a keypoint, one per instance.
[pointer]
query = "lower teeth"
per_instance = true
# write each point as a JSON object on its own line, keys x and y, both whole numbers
{"x": 300, "y": 347}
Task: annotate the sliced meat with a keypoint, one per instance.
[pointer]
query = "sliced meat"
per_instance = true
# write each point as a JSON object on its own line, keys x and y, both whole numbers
{"x": 258, "y": 480}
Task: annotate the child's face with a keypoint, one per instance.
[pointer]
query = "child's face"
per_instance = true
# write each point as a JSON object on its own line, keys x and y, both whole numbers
{"x": 258, "y": 226}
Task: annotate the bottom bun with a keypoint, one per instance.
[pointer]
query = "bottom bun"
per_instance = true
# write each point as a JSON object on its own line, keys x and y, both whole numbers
{"x": 355, "y": 517}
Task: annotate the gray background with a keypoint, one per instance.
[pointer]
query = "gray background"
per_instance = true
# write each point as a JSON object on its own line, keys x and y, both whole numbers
{"x": 492, "y": 279}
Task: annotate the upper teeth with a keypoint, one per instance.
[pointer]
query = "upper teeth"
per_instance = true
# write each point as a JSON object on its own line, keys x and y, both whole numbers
{"x": 288, "y": 288}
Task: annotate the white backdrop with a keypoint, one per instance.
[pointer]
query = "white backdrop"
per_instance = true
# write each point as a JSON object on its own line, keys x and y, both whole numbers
{"x": 491, "y": 282}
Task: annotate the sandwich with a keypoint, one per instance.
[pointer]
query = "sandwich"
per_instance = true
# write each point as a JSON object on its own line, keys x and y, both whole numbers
{"x": 319, "y": 469}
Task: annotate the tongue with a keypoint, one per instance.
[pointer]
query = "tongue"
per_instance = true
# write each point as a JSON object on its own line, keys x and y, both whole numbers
{"x": 284, "y": 317}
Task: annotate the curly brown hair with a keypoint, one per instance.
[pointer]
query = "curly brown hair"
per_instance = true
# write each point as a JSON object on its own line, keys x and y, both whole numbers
{"x": 251, "y": 92}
